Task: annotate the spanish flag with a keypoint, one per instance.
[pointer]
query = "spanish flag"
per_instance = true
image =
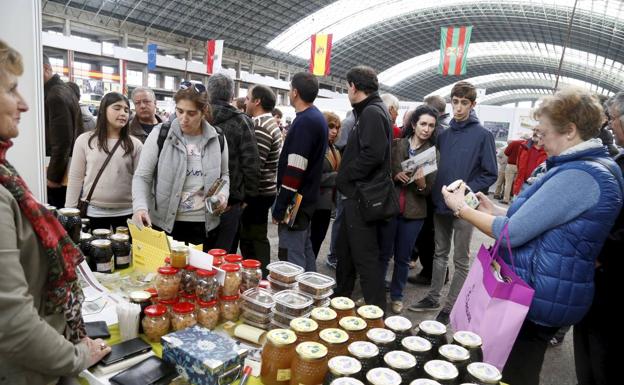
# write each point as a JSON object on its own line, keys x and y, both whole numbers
{"x": 320, "y": 54}
{"x": 454, "y": 50}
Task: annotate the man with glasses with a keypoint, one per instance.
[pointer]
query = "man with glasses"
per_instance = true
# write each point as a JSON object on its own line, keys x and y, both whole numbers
{"x": 145, "y": 118}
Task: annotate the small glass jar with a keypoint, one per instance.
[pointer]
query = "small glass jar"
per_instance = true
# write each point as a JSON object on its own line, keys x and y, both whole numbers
{"x": 217, "y": 253}
{"x": 179, "y": 256}
{"x": 483, "y": 374}
{"x": 156, "y": 322}
{"x": 85, "y": 225}
{"x": 229, "y": 308}
{"x": 188, "y": 297}
{"x": 367, "y": 354}
{"x": 403, "y": 363}
{"x": 456, "y": 355}
{"x": 419, "y": 348}
{"x": 102, "y": 233}
{"x": 233, "y": 279}
{"x": 309, "y": 365}
{"x": 183, "y": 316}
{"x": 306, "y": 329}
{"x": 400, "y": 325}
{"x": 373, "y": 315}
{"x": 143, "y": 299}
{"x": 208, "y": 314}
{"x": 252, "y": 274}
{"x": 122, "y": 230}
{"x": 86, "y": 248}
{"x": 470, "y": 341}
{"x": 336, "y": 341}
{"x": 153, "y": 294}
{"x": 383, "y": 376}
{"x": 70, "y": 219}
{"x": 342, "y": 367}
{"x": 188, "y": 279}
{"x": 277, "y": 356}
{"x": 343, "y": 306}
{"x": 442, "y": 371}
{"x": 355, "y": 327}
{"x": 121, "y": 250}
{"x": 383, "y": 338}
{"x": 168, "y": 303}
{"x": 167, "y": 282}
{"x": 206, "y": 285}
{"x": 434, "y": 332}
{"x": 234, "y": 258}
{"x": 325, "y": 317}
{"x": 102, "y": 255}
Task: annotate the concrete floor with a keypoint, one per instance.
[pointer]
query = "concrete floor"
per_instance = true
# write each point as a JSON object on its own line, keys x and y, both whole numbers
{"x": 558, "y": 366}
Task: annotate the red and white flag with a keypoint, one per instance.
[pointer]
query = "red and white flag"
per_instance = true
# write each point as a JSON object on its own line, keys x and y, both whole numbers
{"x": 214, "y": 54}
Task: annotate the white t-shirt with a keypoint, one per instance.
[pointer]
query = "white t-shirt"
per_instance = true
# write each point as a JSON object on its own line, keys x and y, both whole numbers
{"x": 191, "y": 208}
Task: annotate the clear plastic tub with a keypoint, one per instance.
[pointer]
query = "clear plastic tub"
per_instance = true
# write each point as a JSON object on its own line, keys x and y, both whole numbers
{"x": 258, "y": 300}
{"x": 263, "y": 326}
{"x": 315, "y": 284}
{"x": 278, "y": 286}
{"x": 323, "y": 302}
{"x": 292, "y": 303}
{"x": 283, "y": 271}
{"x": 286, "y": 318}
{"x": 261, "y": 318}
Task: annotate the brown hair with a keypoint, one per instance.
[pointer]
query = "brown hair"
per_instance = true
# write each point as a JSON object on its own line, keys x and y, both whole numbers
{"x": 572, "y": 105}
{"x": 199, "y": 98}
{"x": 463, "y": 89}
{"x": 334, "y": 119}
{"x": 10, "y": 61}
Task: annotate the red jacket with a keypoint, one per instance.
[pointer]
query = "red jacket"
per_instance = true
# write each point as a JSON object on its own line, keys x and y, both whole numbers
{"x": 396, "y": 132}
{"x": 513, "y": 149}
{"x": 529, "y": 157}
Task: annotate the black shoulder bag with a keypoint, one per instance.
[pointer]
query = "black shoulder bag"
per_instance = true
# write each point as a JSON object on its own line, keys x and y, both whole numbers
{"x": 83, "y": 204}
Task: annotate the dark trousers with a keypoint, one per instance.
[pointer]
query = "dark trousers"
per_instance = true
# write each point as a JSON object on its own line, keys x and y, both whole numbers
{"x": 527, "y": 355}
{"x": 425, "y": 243}
{"x": 358, "y": 253}
{"x": 254, "y": 243}
{"x": 56, "y": 196}
{"x": 195, "y": 233}
{"x": 109, "y": 222}
{"x": 318, "y": 229}
{"x": 227, "y": 231}
{"x": 591, "y": 337}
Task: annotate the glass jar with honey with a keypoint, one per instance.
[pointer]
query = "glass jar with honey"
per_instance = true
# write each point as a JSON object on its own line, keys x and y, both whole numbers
{"x": 309, "y": 367}
{"x": 277, "y": 356}
{"x": 336, "y": 341}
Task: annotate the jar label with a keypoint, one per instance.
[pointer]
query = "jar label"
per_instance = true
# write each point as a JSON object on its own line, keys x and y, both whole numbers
{"x": 283, "y": 374}
{"x": 123, "y": 260}
{"x": 432, "y": 327}
{"x": 370, "y": 312}
{"x": 107, "y": 266}
{"x": 454, "y": 352}
{"x": 342, "y": 303}
{"x": 397, "y": 322}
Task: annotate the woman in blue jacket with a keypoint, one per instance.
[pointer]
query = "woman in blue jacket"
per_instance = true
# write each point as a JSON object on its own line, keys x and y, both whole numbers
{"x": 557, "y": 225}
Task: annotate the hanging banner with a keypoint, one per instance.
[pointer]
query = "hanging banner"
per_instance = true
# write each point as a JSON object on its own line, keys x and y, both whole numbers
{"x": 152, "y": 51}
{"x": 214, "y": 54}
{"x": 320, "y": 54}
{"x": 454, "y": 50}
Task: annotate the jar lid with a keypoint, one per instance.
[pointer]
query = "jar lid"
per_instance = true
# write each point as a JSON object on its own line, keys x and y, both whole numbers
{"x": 323, "y": 314}
{"x": 441, "y": 370}
{"x": 284, "y": 268}
{"x": 233, "y": 258}
{"x": 381, "y": 336}
{"x": 120, "y": 237}
{"x": 167, "y": 260}
{"x": 155, "y": 310}
{"x": 399, "y": 359}
{"x": 166, "y": 270}
{"x": 352, "y": 324}
{"x": 85, "y": 236}
{"x": 121, "y": 229}
{"x": 207, "y": 303}
{"x": 229, "y": 298}
{"x": 251, "y": 263}
{"x": 416, "y": 344}
{"x": 342, "y": 303}
{"x": 183, "y": 307}
{"x": 153, "y": 292}
{"x": 334, "y": 336}
{"x": 205, "y": 273}
{"x": 383, "y": 376}
{"x": 344, "y": 366}
{"x": 454, "y": 353}
{"x": 188, "y": 295}
{"x": 230, "y": 267}
{"x": 217, "y": 252}
{"x": 259, "y": 297}
{"x": 303, "y": 325}
{"x": 172, "y": 301}
{"x": 101, "y": 243}
{"x": 180, "y": 248}
{"x": 370, "y": 312}
{"x": 468, "y": 339}
{"x": 281, "y": 337}
{"x": 398, "y": 323}
{"x": 363, "y": 349}
{"x": 484, "y": 372}
{"x": 69, "y": 212}
{"x": 432, "y": 327}
{"x": 346, "y": 381}
{"x": 140, "y": 296}
{"x": 424, "y": 381}
{"x": 190, "y": 268}
{"x": 315, "y": 280}
{"x": 102, "y": 232}
{"x": 311, "y": 350}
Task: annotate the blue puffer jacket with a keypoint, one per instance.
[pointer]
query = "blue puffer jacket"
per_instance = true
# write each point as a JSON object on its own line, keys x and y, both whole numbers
{"x": 559, "y": 264}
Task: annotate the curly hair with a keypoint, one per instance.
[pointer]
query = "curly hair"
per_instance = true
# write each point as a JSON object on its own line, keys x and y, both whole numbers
{"x": 10, "y": 61}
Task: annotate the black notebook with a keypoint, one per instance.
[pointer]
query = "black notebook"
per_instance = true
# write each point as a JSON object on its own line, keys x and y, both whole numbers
{"x": 152, "y": 371}
{"x": 97, "y": 329}
{"x": 125, "y": 350}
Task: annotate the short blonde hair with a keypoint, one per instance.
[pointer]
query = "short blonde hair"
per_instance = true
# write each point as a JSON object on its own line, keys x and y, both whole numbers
{"x": 572, "y": 105}
{"x": 10, "y": 61}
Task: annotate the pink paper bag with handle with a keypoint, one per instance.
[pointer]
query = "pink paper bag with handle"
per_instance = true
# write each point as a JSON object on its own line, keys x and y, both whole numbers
{"x": 494, "y": 310}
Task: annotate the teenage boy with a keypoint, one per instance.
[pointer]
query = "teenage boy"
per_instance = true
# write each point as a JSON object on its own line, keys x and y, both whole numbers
{"x": 467, "y": 152}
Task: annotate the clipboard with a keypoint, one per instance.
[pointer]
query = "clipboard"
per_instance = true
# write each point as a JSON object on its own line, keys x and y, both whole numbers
{"x": 149, "y": 248}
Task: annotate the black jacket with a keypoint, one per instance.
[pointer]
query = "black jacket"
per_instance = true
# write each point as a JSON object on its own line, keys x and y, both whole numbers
{"x": 367, "y": 153}
{"x": 63, "y": 124}
{"x": 244, "y": 161}
{"x": 138, "y": 131}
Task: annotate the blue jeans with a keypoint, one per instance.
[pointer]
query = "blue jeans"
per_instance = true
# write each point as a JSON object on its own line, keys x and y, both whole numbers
{"x": 297, "y": 247}
{"x": 405, "y": 232}
{"x": 332, "y": 257}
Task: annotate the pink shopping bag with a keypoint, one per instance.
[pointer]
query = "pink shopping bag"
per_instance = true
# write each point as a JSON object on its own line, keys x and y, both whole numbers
{"x": 494, "y": 310}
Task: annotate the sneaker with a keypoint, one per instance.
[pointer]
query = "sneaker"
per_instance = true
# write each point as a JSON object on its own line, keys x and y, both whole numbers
{"x": 419, "y": 280}
{"x": 412, "y": 265}
{"x": 331, "y": 264}
{"x": 443, "y": 317}
{"x": 424, "y": 304}
{"x": 397, "y": 307}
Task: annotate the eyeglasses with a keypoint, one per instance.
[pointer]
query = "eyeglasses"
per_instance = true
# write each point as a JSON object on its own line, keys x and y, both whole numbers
{"x": 197, "y": 87}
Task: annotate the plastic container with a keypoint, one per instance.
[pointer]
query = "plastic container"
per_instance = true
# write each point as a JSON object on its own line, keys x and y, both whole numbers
{"x": 284, "y": 272}
{"x": 156, "y": 322}
{"x": 208, "y": 314}
{"x": 167, "y": 282}
{"x": 252, "y": 274}
{"x": 206, "y": 285}
{"x": 315, "y": 284}
{"x": 183, "y": 316}
{"x": 278, "y": 325}
{"x": 263, "y": 326}
{"x": 292, "y": 303}
{"x": 253, "y": 316}
{"x": 258, "y": 300}
{"x": 285, "y": 319}
{"x": 320, "y": 300}
{"x": 280, "y": 286}
{"x": 233, "y": 279}
{"x": 322, "y": 303}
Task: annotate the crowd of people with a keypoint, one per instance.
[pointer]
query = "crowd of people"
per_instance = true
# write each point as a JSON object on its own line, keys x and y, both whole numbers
{"x": 219, "y": 169}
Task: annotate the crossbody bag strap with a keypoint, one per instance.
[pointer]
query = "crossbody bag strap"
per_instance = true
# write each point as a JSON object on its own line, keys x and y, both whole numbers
{"x": 99, "y": 174}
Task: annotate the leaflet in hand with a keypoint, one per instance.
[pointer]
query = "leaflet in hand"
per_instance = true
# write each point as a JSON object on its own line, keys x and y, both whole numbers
{"x": 212, "y": 201}
{"x": 425, "y": 160}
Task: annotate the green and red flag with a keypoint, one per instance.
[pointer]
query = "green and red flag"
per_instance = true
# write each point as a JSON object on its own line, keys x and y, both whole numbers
{"x": 454, "y": 50}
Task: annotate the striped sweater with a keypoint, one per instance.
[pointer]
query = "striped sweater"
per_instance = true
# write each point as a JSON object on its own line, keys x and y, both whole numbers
{"x": 269, "y": 139}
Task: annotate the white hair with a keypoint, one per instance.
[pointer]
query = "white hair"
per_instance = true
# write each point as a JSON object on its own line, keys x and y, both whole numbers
{"x": 390, "y": 101}
{"x": 143, "y": 89}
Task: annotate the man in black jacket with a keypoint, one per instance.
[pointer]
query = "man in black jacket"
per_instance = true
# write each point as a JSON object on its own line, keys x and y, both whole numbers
{"x": 365, "y": 157}
{"x": 63, "y": 124}
{"x": 243, "y": 158}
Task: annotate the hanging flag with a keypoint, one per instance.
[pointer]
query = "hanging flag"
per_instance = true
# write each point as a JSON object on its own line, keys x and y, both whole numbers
{"x": 152, "y": 51}
{"x": 214, "y": 54}
{"x": 454, "y": 50}
{"x": 320, "y": 54}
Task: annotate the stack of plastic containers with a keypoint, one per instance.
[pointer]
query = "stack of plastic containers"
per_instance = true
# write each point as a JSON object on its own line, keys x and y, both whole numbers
{"x": 283, "y": 275}
{"x": 257, "y": 305}
{"x": 290, "y": 304}
{"x": 317, "y": 286}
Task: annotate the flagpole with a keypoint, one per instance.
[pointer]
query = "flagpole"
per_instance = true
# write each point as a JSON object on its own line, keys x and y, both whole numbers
{"x": 565, "y": 46}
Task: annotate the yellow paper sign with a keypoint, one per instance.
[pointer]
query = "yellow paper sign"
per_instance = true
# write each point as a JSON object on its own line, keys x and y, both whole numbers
{"x": 149, "y": 248}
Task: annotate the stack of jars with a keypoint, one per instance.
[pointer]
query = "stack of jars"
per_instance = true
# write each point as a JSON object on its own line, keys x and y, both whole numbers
{"x": 283, "y": 275}
{"x": 317, "y": 286}
{"x": 256, "y": 307}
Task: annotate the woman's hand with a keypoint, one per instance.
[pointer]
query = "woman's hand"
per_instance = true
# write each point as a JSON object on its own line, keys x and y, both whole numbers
{"x": 141, "y": 218}
{"x": 420, "y": 181}
{"x": 454, "y": 200}
{"x": 222, "y": 206}
{"x": 402, "y": 177}
{"x": 485, "y": 204}
{"x": 97, "y": 349}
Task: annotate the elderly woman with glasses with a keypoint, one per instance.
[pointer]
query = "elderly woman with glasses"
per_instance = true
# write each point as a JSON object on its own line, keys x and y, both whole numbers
{"x": 557, "y": 225}
{"x": 180, "y": 163}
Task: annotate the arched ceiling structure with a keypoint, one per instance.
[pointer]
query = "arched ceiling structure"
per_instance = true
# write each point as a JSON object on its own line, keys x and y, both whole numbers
{"x": 507, "y": 36}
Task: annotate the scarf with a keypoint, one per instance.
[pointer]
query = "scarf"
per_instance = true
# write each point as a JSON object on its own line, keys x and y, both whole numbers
{"x": 63, "y": 294}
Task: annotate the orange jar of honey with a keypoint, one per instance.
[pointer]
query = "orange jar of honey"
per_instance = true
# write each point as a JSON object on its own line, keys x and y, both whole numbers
{"x": 309, "y": 367}
{"x": 277, "y": 356}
